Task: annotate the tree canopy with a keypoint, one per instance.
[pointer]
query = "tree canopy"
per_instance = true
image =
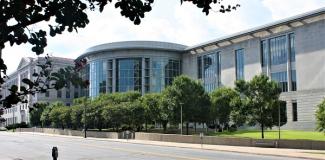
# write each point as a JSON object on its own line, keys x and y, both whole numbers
{"x": 260, "y": 97}
{"x": 320, "y": 117}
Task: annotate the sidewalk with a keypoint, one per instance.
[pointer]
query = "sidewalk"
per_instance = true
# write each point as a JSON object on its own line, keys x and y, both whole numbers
{"x": 294, "y": 153}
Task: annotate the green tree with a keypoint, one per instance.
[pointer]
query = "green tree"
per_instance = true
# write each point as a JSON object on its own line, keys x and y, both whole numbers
{"x": 114, "y": 116}
{"x": 35, "y": 114}
{"x": 320, "y": 117}
{"x": 152, "y": 109}
{"x": 77, "y": 112}
{"x": 223, "y": 101}
{"x": 261, "y": 98}
{"x": 135, "y": 115}
{"x": 56, "y": 115}
{"x": 189, "y": 95}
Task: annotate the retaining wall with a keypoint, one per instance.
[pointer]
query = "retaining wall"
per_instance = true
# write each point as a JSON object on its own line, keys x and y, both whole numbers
{"x": 295, "y": 144}
{"x": 213, "y": 140}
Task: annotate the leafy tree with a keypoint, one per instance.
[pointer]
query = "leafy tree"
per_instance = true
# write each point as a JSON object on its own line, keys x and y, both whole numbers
{"x": 135, "y": 115}
{"x": 223, "y": 102}
{"x": 188, "y": 94}
{"x": 36, "y": 112}
{"x": 152, "y": 109}
{"x": 320, "y": 116}
{"x": 17, "y": 17}
{"x": 77, "y": 112}
{"x": 114, "y": 115}
{"x": 56, "y": 115}
{"x": 261, "y": 97}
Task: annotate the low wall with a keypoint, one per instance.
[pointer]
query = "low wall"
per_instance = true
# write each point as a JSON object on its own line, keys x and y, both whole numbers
{"x": 295, "y": 144}
{"x": 213, "y": 140}
{"x": 68, "y": 132}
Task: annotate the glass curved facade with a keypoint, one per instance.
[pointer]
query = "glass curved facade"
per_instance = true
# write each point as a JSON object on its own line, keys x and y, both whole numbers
{"x": 143, "y": 74}
{"x": 129, "y": 74}
{"x": 97, "y": 77}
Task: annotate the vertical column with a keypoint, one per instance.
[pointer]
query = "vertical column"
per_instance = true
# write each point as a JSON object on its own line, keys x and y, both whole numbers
{"x": 114, "y": 78}
{"x": 288, "y": 63}
{"x": 142, "y": 75}
{"x": 269, "y": 61}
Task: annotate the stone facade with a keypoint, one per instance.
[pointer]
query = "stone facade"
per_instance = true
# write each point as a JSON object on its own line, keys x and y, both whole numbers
{"x": 20, "y": 112}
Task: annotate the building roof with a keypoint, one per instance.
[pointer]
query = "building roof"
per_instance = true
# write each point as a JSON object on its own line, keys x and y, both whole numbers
{"x": 294, "y": 21}
{"x": 127, "y": 45}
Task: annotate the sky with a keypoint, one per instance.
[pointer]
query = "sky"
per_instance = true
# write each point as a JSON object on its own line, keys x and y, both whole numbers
{"x": 168, "y": 21}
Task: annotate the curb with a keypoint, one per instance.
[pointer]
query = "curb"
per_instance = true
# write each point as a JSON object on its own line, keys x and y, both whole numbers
{"x": 168, "y": 145}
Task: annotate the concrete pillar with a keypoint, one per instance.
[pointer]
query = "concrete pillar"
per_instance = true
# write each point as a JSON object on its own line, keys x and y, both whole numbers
{"x": 288, "y": 63}
{"x": 114, "y": 78}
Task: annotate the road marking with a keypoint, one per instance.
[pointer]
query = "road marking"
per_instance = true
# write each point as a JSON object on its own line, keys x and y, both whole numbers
{"x": 78, "y": 141}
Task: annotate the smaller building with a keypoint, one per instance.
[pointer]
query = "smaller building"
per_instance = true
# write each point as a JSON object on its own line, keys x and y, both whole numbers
{"x": 20, "y": 112}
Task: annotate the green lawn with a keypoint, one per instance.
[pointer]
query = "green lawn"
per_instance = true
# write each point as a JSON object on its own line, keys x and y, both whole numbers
{"x": 285, "y": 134}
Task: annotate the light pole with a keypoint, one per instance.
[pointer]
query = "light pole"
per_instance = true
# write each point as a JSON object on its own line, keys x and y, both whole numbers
{"x": 181, "y": 118}
{"x": 13, "y": 119}
{"x": 279, "y": 120}
{"x": 85, "y": 122}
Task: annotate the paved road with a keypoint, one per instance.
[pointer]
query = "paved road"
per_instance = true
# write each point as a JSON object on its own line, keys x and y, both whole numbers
{"x": 18, "y": 146}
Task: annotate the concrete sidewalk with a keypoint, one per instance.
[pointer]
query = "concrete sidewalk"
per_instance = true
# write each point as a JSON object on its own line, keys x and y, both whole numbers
{"x": 294, "y": 153}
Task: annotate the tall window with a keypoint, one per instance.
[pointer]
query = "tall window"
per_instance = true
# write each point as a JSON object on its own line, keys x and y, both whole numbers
{"x": 265, "y": 55}
{"x": 199, "y": 67}
{"x": 172, "y": 70}
{"x": 294, "y": 80}
{"x": 129, "y": 74}
{"x": 98, "y": 75}
{"x": 47, "y": 94}
{"x": 147, "y": 75}
{"x": 294, "y": 112}
{"x": 281, "y": 78}
{"x": 292, "y": 47}
{"x": 110, "y": 76}
{"x": 278, "y": 50}
{"x": 210, "y": 72}
{"x": 240, "y": 63}
{"x": 162, "y": 73}
{"x": 67, "y": 91}
{"x": 59, "y": 93}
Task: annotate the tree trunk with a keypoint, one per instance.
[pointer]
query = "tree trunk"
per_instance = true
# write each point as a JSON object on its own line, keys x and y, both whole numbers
{"x": 146, "y": 125}
{"x": 262, "y": 127}
{"x": 194, "y": 127}
{"x": 187, "y": 128}
{"x": 164, "y": 126}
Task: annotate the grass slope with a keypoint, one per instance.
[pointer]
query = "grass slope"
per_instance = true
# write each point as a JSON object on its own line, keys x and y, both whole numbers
{"x": 285, "y": 134}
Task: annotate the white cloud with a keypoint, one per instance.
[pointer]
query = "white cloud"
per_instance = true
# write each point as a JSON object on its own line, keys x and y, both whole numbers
{"x": 285, "y": 8}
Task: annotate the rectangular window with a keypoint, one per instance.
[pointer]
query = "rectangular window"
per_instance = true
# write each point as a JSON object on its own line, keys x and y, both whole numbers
{"x": 110, "y": 76}
{"x": 199, "y": 67}
{"x": 264, "y": 55}
{"x": 47, "y": 94}
{"x": 209, "y": 71}
{"x": 281, "y": 78}
{"x": 67, "y": 94}
{"x": 240, "y": 63}
{"x": 294, "y": 80}
{"x": 147, "y": 75}
{"x": 294, "y": 112}
{"x": 278, "y": 50}
{"x": 292, "y": 47}
{"x": 59, "y": 94}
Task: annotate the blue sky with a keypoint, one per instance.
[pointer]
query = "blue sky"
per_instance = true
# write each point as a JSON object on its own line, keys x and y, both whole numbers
{"x": 169, "y": 21}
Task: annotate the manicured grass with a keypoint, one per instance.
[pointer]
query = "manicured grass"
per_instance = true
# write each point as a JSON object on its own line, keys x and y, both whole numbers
{"x": 285, "y": 134}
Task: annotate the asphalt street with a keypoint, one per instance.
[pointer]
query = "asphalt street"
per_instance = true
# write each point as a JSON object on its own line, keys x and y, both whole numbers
{"x": 18, "y": 146}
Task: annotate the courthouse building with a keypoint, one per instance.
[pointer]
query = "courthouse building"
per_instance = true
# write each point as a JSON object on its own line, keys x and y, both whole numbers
{"x": 27, "y": 66}
{"x": 289, "y": 51}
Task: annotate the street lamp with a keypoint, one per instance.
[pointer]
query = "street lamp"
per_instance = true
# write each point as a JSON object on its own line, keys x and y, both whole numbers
{"x": 85, "y": 123}
{"x": 181, "y": 118}
{"x": 279, "y": 120}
